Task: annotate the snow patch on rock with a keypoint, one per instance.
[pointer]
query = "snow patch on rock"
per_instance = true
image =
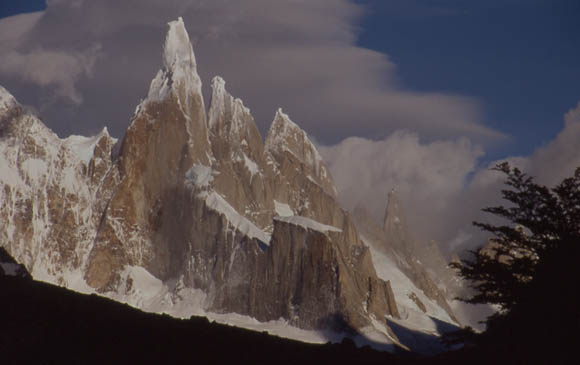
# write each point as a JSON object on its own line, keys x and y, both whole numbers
{"x": 84, "y": 147}
{"x": 251, "y": 165}
{"x": 402, "y": 287}
{"x": 308, "y": 223}
{"x": 242, "y": 224}
{"x": 199, "y": 175}
{"x": 283, "y": 209}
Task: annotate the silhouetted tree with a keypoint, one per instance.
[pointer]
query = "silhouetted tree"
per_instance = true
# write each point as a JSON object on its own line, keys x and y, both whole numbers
{"x": 530, "y": 267}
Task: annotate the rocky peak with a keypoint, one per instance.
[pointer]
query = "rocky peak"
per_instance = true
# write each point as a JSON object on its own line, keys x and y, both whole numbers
{"x": 167, "y": 136}
{"x": 174, "y": 108}
{"x": 231, "y": 124}
{"x": 175, "y": 93}
{"x": 286, "y": 139}
{"x": 286, "y": 136}
{"x": 177, "y": 51}
{"x": 179, "y": 74}
{"x": 395, "y": 226}
{"x": 220, "y": 110}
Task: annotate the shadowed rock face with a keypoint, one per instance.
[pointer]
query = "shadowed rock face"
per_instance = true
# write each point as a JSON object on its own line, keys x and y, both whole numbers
{"x": 204, "y": 203}
{"x": 305, "y": 267}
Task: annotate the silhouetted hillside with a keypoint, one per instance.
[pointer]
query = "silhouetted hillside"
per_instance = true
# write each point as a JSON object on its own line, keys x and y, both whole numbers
{"x": 52, "y": 325}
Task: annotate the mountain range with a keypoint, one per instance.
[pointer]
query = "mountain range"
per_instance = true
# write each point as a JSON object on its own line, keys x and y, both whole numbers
{"x": 193, "y": 212}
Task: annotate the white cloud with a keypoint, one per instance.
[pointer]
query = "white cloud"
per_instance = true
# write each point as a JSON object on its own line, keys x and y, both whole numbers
{"x": 559, "y": 158}
{"x": 440, "y": 184}
{"x": 427, "y": 176}
{"x": 59, "y": 69}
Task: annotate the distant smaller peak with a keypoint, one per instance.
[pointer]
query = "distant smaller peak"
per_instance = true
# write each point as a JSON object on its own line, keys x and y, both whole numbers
{"x": 282, "y": 119}
{"x": 218, "y": 82}
{"x": 218, "y": 92}
{"x": 105, "y": 133}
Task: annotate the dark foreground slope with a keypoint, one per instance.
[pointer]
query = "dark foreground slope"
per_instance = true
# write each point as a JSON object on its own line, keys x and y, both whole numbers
{"x": 46, "y": 324}
{"x": 43, "y": 323}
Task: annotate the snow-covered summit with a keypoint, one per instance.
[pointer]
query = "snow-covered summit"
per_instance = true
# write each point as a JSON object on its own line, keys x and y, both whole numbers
{"x": 177, "y": 51}
{"x": 179, "y": 65}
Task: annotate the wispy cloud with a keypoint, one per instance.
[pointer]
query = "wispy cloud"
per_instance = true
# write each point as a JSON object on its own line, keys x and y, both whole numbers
{"x": 58, "y": 70}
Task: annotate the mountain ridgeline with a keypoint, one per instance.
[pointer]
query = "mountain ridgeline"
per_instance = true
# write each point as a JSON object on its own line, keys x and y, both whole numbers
{"x": 191, "y": 209}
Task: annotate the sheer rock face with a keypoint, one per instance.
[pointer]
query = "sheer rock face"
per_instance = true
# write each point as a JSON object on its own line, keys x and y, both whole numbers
{"x": 306, "y": 266}
{"x": 203, "y": 203}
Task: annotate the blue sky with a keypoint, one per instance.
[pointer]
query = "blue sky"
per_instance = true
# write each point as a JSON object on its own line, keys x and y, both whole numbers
{"x": 520, "y": 58}
{"x": 13, "y": 7}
